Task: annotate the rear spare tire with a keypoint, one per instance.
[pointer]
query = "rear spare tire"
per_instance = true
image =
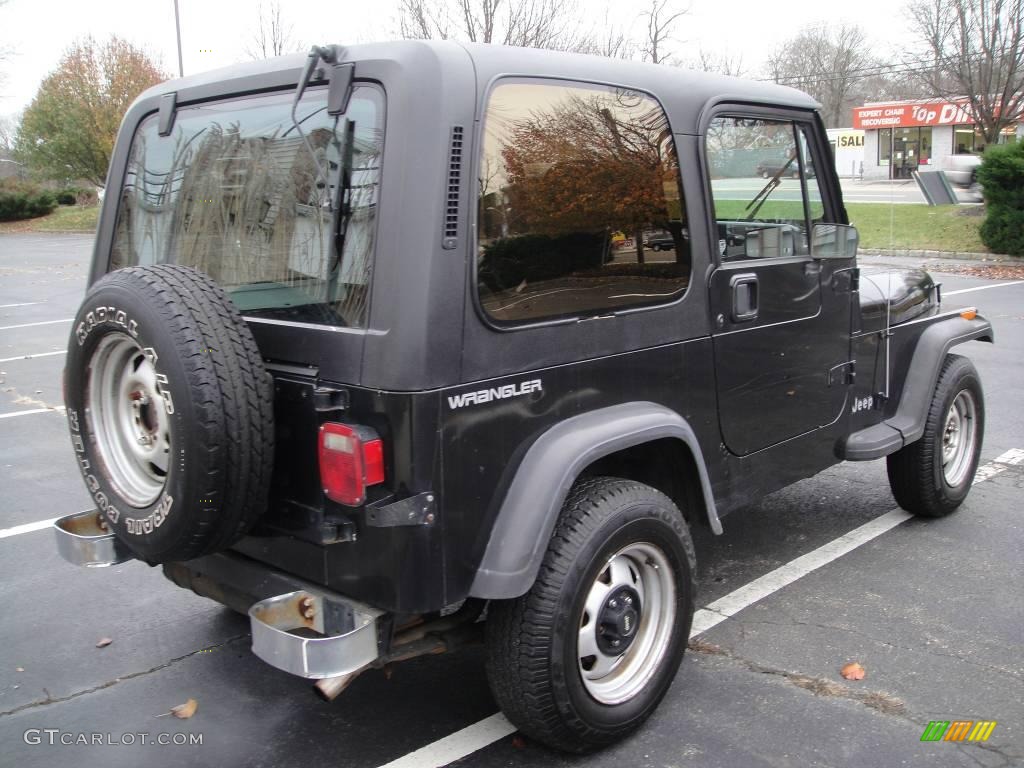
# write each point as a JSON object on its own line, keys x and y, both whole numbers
{"x": 170, "y": 411}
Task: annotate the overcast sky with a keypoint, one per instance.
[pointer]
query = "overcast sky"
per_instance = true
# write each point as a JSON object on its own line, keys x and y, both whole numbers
{"x": 215, "y": 33}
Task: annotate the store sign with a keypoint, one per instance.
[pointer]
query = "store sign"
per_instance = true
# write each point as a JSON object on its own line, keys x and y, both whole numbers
{"x": 911, "y": 115}
{"x": 850, "y": 140}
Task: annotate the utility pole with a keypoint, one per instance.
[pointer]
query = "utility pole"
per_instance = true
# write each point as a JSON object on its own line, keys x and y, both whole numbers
{"x": 177, "y": 29}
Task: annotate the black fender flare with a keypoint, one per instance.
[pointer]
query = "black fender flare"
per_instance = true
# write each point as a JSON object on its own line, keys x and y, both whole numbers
{"x": 907, "y": 424}
{"x": 925, "y": 365}
{"x": 522, "y": 529}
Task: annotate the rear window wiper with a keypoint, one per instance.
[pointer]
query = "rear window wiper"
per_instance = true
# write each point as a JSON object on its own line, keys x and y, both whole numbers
{"x": 344, "y": 212}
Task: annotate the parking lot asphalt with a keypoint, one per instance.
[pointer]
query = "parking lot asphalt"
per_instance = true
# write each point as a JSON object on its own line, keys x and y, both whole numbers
{"x": 933, "y": 610}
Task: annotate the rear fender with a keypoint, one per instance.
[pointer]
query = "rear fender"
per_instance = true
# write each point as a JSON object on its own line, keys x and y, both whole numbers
{"x": 534, "y": 500}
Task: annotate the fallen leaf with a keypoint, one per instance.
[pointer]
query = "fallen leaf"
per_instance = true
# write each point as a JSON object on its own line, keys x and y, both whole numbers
{"x": 853, "y": 671}
{"x": 186, "y": 710}
{"x": 103, "y": 642}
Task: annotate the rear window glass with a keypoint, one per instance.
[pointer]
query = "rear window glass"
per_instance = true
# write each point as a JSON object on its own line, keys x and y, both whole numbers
{"x": 580, "y": 207}
{"x": 235, "y": 191}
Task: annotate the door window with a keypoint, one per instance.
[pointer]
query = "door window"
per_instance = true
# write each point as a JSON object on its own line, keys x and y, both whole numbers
{"x": 764, "y": 187}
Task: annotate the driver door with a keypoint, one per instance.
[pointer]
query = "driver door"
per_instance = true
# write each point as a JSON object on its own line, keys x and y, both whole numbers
{"x": 780, "y": 322}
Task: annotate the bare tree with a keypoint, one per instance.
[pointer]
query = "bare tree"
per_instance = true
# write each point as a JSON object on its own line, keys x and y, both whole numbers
{"x": 5, "y": 54}
{"x": 722, "y": 63}
{"x": 273, "y": 35}
{"x": 974, "y": 49}
{"x": 660, "y": 19}
{"x": 609, "y": 40}
{"x": 424, "y": 20}
{"x": 523, "y": 23}
{"x": 829, "y": 64}
{"x": 8, "y": 132}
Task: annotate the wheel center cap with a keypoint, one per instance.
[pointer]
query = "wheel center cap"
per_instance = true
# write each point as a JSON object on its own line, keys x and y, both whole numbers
{"x": 618, "y": 621}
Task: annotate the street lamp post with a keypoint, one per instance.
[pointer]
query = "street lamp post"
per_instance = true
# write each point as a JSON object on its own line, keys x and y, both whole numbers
{"x": 177, "y": 29}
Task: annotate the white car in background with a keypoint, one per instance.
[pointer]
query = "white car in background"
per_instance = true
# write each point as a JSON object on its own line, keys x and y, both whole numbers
{"x": 961, "y": 170}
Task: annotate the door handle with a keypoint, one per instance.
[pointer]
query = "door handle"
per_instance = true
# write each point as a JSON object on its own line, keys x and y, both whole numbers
{"x": 744, "y": 297}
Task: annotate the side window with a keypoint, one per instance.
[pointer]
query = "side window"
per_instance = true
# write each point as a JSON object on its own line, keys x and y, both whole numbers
{"x": 580, "y": 207}
{"x": 764, "y": 185}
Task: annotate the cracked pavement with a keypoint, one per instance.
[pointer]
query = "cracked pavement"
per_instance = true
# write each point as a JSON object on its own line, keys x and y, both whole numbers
{"x": 934, "y": 611}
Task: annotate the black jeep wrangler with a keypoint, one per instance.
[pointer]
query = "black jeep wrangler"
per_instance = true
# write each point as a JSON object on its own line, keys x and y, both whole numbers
{"x": 374, "y": 351}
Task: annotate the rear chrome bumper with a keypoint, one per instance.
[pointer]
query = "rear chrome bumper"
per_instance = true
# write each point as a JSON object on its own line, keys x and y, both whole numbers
{"x": 296, "y": 626}
{"x": 344, "y": 634}
{"x": 84, "y": 539}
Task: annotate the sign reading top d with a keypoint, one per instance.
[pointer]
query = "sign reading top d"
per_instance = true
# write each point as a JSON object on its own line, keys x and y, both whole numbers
{"x": 911, "y": 115}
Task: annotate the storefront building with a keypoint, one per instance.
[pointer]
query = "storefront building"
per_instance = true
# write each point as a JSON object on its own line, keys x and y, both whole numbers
{"x": 900, "y": 137}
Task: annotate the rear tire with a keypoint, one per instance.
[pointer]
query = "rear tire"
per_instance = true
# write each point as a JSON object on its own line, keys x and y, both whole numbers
{"x": 586, "y": 655}
{"x": 932, "y": 476}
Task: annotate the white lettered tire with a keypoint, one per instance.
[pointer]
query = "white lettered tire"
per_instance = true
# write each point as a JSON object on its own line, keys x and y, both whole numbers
{"x": 170, "y": 411}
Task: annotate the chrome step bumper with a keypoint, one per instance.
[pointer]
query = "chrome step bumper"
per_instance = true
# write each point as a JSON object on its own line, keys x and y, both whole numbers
{"x": 339, "y": 636}
{"x": 84, "y": 539}
{"x": 304, "y": 629}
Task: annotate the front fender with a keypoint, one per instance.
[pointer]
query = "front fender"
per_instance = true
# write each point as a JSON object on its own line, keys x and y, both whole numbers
{"x": 929, "y": 354}
{"x": 907, "y": 424}
{"x": 534, "y": 500}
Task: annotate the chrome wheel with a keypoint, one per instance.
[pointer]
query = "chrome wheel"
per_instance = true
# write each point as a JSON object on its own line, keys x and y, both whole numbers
{"x": 627, "y": 623}
{"x": 129, "y": 418}
{"x": 959, "y": 436}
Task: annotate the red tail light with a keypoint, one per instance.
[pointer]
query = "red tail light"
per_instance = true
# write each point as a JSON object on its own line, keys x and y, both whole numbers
{"x": 351, "y": 458}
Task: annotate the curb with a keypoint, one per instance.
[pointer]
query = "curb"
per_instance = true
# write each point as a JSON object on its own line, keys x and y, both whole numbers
{"x": 947, "y": 255}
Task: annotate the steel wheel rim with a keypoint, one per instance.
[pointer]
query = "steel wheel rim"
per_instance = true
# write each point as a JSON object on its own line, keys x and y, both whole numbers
{"x": 643, "y": 570}
{"x": 959, "y": 437}
{"x": 128, "y": 419}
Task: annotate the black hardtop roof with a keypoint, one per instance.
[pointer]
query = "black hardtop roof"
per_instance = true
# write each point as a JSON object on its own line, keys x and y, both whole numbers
{"x": 690, "y": 92}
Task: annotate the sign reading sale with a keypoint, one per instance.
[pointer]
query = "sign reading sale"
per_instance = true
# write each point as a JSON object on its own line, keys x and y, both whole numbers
{"x": 911, "y": 115}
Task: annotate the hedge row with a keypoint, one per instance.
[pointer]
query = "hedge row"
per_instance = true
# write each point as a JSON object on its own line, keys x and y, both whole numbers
{"x": 1002, "y": 177}
{"x": 24, "y": 200}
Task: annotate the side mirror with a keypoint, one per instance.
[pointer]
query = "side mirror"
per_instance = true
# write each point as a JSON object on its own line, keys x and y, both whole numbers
{"x": 834, "y": 241}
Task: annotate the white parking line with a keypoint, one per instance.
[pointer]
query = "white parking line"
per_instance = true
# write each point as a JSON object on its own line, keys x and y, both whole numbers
{"x": 30, "y": 357}
{"x": 39, "y": 525}
{"x": 491, "y": 729}
{"x": 981, "y": 288}
{"x": 24, "y": 304}
{"x": 458, "y": 745}
{"x": 720, "y": 610}
{"x": 58, "y": 409}
{"x": 29, "y": 325}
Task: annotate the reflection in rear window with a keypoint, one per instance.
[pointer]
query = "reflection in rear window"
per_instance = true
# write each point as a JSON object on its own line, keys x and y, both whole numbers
{"x": 236, "y": 192}
{"x": 581, "y": 211}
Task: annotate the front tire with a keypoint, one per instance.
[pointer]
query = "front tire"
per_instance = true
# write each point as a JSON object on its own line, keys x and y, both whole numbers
{"x": 932, "y": 476}
{"x": 587, "y": 654}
